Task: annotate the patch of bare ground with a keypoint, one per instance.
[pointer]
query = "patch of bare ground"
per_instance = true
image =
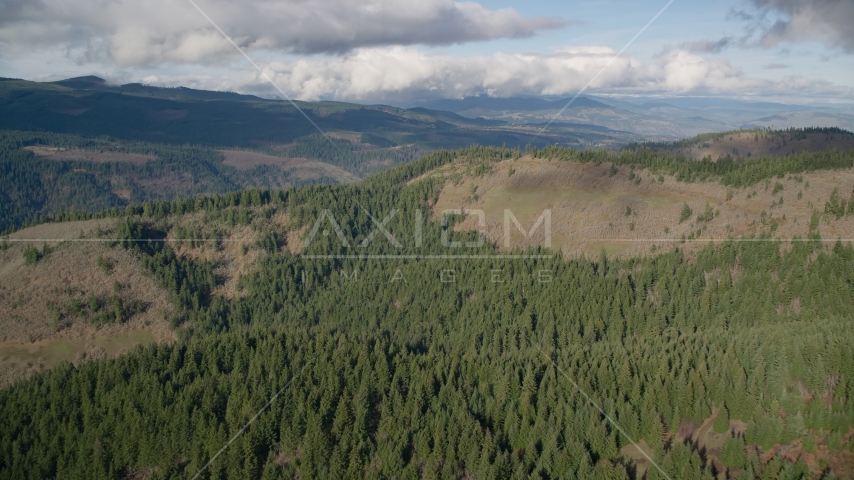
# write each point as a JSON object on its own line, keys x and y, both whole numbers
{"x": 235, "y": 255}
{"x": 375, "y": 163}
{"x": 301, "y": 168}
{"x": 294, "y": 239}
{"x": 293, "y": 236}
{"x": 62, "y": 154}
{"x": 172, "y": 185}
{"x": 708, "y": 443}
{"x": 843, "y": 463}
{"x": 139, "y": 473}
{"x": 821, "y": 459}
{"x": 705, "y": 440}
{"x": 355, "y": 137}
{"x": 43, "y": 318}
{"x": 124, "y": 194}
{"x": 633, "y": 212}
{"x": 244, "y": 160}
{"x": 236, "y": 250}
{"x": 756, "y": 144}
{"x": 273, "y": 145}
{"x": 442, "y": 172}
{"x": 635, "y": 454}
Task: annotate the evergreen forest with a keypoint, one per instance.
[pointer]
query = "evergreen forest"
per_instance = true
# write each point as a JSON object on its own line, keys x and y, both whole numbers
{"x": 359, "y": 358}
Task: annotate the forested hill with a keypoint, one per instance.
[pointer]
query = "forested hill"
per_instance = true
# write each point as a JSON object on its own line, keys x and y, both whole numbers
{"x": 45, "y": 173}
{"x": 758, "y": 142}
{"x": 90, "y": 107}
{"x": 718, "y": 360}
{"x": 84, "y": 144}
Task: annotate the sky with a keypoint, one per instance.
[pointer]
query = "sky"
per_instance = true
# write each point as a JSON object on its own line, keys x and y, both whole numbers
{"x": 404, "y": 51}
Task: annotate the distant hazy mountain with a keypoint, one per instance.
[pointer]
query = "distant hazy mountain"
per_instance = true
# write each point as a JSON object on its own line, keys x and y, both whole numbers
{"x": 664, "y": 118}
{"x": 86, "y": 144}
{"x": 828, "y": 118}
{"x": 738, "y": 113}
{"x": 518, "y": 104}
{"x": 741, "y": 144}
{"x": 90, "y": 106}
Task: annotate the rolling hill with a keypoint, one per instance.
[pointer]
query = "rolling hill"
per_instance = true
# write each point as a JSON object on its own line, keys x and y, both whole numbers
{"x": 88, "y": 106}
{"x": 87, "y": 145}
{"x": 392, "y": 351}
{"x": 758, "y": 142}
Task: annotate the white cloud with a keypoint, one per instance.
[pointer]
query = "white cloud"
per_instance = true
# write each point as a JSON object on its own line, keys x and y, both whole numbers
{"x": 829, "y": 21}
{"x": 685, "y": 72}
{"x": 366, "y": 49}
{"x": 151, "y": 32}
{"x": 400, "y": 75}
{"x": 375, "y": 74}
{"x": 405, "y": 73}
{"x": 771, "y": 23}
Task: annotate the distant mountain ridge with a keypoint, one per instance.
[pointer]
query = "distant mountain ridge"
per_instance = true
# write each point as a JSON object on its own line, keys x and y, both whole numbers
{"x": 740, "y": 144}
{"x": 85, "y": 143}
{"x": 662, "y": 118}
{"x": 670, "y": 118}
{"x": 91, "y": 82}
{"x": 521, "y": 104}
{"x": 90, "y": 106}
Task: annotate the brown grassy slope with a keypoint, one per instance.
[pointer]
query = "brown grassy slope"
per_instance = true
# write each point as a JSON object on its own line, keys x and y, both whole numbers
{"x": 234, "y": 255}
{"x": 33, "y": 337}
{"x": 760, "y": 143}
{"x": 236, "y": 248}
{"x": 297, "y": 168}
{"x": 301, "y": 168}
{"x": 589, "y": 206}
{"x": 78, "y": 265}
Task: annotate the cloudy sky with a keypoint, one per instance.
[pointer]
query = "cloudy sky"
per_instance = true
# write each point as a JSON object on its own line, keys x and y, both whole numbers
{"x": 399, "y": 51}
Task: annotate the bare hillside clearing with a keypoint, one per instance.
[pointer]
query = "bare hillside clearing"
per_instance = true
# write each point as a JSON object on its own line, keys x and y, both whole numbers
{"x": 629, "y": 211}
{"x": 46, "y": 301}
{"x": 236, "y": 249}
{"x": 760, "y": 143}
{"x": 302, "y": 168}
{"x": 62, "y": 154}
